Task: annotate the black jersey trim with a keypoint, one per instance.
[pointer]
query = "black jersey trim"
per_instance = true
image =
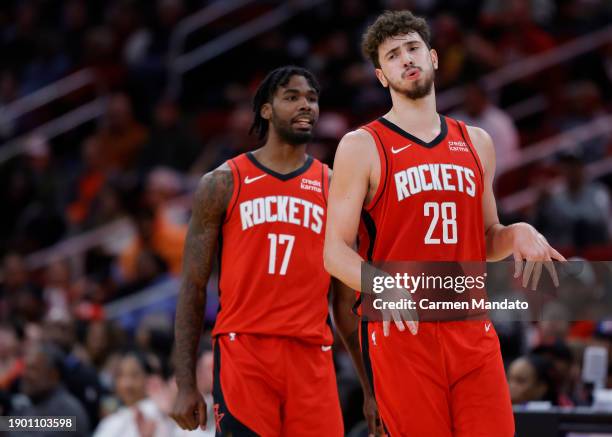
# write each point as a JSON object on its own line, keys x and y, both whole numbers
{"x": 282, "y": 177}
{"x": 370, "y": 226}
{"x": 470, "y": 146}
{"x": 229, "y": 210}
{"x": 380, "y": 193}
{"x": 367, "y": 363}
{"x": 431, "y": 144}
{"x": 324, "y": 182}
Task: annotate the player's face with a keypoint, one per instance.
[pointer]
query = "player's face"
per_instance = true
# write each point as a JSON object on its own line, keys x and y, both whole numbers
{"x": 294, "y": 111}
{"x": 407, "y": 65}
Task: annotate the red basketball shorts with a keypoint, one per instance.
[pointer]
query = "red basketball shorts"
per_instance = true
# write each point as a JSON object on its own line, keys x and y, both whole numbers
{"x": 447, "y": 381}
{"x": 274, "y": 386}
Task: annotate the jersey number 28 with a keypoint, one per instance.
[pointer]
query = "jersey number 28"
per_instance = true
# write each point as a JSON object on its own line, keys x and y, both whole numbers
{"x": 448, "y": 212}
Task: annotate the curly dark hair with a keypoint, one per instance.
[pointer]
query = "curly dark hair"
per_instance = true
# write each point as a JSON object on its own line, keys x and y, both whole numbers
{"x": 277, "y": 78}
{"x": 389, "y": 24}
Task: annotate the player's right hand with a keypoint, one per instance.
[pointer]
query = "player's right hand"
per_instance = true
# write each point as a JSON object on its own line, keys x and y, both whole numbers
{"x": 189, "y": 409}
{"x": 402, "y": 319}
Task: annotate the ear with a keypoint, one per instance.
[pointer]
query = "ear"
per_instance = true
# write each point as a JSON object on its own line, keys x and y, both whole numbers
{"x": 381, "y": 77}
{"x": 434, "y": 58}
{"x": 266, "y": 111}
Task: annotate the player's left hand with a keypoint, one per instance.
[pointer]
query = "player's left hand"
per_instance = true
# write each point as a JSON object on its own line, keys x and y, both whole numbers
{"x": 370, "y": 412}
{"x": 529, "y": 245}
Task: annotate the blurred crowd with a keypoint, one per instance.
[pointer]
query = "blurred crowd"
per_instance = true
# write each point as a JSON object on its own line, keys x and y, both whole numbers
{"x": 134, "y": 168}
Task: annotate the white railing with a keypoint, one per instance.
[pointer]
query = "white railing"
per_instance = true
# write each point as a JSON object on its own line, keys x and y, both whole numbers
{"x": 235, "y": 37}
{"x": 564, "y": 141}
{"x": 189, "y": 25}
{"x": 528, "y": 66}
{"x": 47, "y": 94}
{"x": 55, "y": 127}
{"x": 529, "y": 196}
{"x": 142, "y": 299}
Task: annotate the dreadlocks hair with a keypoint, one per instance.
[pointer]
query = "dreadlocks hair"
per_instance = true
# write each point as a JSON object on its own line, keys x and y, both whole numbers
{"x": 266, "y": 90}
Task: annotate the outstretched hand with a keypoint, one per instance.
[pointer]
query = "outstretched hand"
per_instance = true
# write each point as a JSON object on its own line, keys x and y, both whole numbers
{"x": 533, "y": 248}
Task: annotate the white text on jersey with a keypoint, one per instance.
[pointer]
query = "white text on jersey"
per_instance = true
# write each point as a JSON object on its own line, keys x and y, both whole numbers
{"x": 287, "y": 209}
{"x": 434, "y": 177}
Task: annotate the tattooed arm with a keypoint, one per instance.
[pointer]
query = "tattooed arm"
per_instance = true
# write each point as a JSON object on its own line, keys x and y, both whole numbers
{"x": 209, "y": 206}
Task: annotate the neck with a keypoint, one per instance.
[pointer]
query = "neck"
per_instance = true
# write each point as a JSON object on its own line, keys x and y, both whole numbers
{"x": 280, "y": 156}
{"x": 414, "y": 115}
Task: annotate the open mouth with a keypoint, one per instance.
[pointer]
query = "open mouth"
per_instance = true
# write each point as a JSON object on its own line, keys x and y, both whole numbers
{"x": 303, "y": 122}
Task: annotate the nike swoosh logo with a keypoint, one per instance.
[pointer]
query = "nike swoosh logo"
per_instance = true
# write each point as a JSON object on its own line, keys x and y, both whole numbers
{"x": 249, "y": 180}
{"x": 487, "y": 327}
{"x": 325, "y": 348}
{"x": 395, "y": 151}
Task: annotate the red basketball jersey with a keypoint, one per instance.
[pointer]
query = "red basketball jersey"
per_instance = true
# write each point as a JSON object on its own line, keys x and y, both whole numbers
{"x": 428, "y": 206}
{"x": 272, "y": 279}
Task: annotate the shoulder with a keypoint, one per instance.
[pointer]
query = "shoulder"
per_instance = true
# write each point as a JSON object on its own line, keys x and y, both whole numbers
{"x": 479, "y": 137}
{"x": 220, "y": 181}
{"x": 484, "y": 146}
{"x": 357, "y": 140}
{"x": 357, "y": 146}
{"x": 214, "y": 190}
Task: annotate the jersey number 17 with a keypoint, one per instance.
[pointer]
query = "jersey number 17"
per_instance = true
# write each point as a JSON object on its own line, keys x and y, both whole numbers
{"x": 277, "y": 240}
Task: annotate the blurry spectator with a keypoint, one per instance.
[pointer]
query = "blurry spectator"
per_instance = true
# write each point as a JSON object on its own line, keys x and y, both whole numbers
{"x": 120, "y": 136}
{"x": 80, "y": 379}
{"x": 232, "y": 142}
{"x": 57, "y": 287}
{"x": 156, "y": 235}
{"x": 171, "y": 143}
{"x": 42, "y": 383}
{"x": 521, "y": 36}
{"x": 448, "y": 42}
{"x": 103, "y": 340}
{"x": 74, "y": 25}
{"x": 89, "y": 182}
{"x": 162, "y": 186}
{"x": 584, "y": 105}
{"x": 529, "y": 379}
{"x": 99, "y": 53}
{"x": 139, "y": 416}
{"x": 49, "y": 65}
{"x": 31, "y": 195}
{"x": 146, "y": 51}
{"x": 150, "y": 269}
{"x": 555, "y": 325}
{"x": 8, "y": 93}
{"x": 579, "y": 213}
{"x": 11, "y": 363}
{"x": 106, "y": 206}
{"x": 562, "y": 372}
{"x": 19, "y": 33}
{"x": 20, "y": 300}
{"x": 479, "y": 111}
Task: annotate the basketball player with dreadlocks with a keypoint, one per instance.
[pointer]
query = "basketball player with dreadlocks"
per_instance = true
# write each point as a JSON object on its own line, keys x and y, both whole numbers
{"x": 266, "y": 211}
{"x": 415, "y": 185}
